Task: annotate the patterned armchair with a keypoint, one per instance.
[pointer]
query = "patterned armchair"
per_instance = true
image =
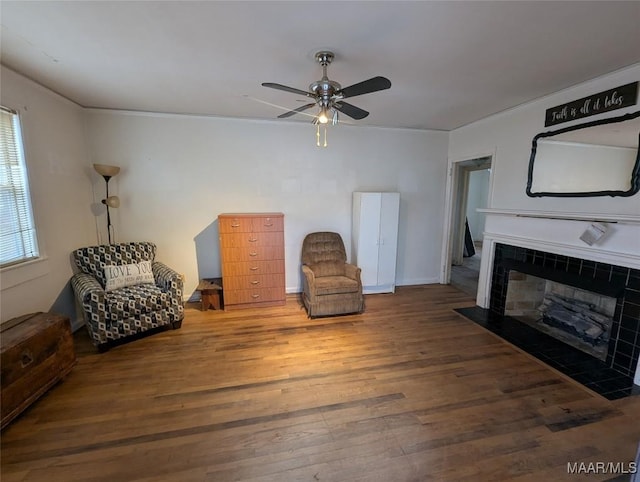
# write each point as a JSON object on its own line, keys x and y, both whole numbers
{"x": 331, "y": 286}
{"x": 113, "y": 311}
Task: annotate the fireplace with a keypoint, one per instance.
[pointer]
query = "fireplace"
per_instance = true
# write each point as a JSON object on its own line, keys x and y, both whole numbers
{"x": 580, "y": 318}
{"x": 603, "y": 361}
{"x": 619, "y": 283}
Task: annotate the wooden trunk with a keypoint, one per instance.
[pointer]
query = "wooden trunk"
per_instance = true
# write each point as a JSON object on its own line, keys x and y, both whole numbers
{"x": 37, "y": 352}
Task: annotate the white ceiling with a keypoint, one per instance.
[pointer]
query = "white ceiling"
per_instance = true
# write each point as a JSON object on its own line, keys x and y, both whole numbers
{"x": 450, "y": 62}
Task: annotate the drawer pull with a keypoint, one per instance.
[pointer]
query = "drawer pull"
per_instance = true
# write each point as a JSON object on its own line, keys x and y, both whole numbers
{"x": 255, "y": 296}
{"x": 253, "y": 240}
{"x": 235, "y": 225}
{"x": 268, "y": 225}
{"x": 254, "y": 268}
{"x": 255, "y": 282}
{"x": 253, "y": 254}
{"x": 26, "y": 358}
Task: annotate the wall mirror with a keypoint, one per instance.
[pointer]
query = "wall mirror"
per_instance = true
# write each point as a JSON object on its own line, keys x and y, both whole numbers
{"x": 598, "y": 158}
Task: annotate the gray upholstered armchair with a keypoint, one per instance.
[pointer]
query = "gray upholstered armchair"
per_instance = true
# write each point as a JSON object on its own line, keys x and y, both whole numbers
{"x": 331, "y": 286}
{"x": 124, "y": 292}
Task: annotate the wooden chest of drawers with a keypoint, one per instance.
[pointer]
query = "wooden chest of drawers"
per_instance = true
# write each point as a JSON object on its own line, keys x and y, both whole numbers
{"x": 252, "y": 255}
{"x": 37, "y": 352}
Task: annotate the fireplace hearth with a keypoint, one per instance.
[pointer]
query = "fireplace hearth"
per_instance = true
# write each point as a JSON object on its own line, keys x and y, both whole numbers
{"x": 599, "y": 347}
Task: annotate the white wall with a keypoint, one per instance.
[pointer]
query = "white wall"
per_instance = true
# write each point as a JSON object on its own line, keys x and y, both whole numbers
{"x": 510, "y": 133}
{"x": 179, "y": 172}
{"x": 59, "y": 175}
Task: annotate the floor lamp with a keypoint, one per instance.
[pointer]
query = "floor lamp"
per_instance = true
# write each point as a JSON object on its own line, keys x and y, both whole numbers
{"x": 107, "y": 172}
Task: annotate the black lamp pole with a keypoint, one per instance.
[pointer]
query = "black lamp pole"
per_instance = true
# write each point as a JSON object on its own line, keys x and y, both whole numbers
{"x": 104, "y": 201}
{"x": 107, "y": 172}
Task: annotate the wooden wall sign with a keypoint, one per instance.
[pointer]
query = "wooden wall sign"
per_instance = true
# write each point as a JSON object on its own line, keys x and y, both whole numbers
{"x": 611, "y": 99}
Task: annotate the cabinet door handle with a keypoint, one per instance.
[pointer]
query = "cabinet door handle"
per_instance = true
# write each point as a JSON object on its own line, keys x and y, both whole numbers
{"x": 255, "y": 282}
{"x": 253, "y": 240}
{"x": 254, "y": 268}
{"x": 253, "y": 254}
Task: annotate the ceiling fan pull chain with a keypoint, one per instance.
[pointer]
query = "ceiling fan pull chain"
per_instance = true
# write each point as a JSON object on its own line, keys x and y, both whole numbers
{"x": 318, "y": 135}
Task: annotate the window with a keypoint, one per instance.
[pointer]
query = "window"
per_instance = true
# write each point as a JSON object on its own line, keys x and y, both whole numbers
{"x": 17, "y": 230}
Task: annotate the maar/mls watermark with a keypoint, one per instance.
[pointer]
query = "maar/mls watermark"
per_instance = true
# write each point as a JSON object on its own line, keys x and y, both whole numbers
{"x": 602, "y": 468}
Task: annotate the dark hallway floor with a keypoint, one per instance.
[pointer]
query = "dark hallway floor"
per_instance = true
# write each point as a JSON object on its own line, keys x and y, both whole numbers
{"x": 465, "y": 277}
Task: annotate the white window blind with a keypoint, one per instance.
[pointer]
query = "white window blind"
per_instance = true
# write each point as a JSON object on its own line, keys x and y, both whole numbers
{"x": 17, "y": 230}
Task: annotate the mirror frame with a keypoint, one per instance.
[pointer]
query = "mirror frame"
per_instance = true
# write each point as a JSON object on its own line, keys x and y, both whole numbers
{"x": 635, "y": 173}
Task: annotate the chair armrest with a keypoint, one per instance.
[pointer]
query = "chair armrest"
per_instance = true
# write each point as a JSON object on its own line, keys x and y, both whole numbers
{"x": 352, "y": 271}
{"x": 165, "y": 276}
{"x": 86, "y": 287}
{"x": 308, "y": 274}
{"x": 172, "y": 282}
{"x": 309, "y": 281}
{"x": 90, "y": 295}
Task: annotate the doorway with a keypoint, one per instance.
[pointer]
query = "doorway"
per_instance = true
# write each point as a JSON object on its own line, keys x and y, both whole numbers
{"x": 470, "y": 187}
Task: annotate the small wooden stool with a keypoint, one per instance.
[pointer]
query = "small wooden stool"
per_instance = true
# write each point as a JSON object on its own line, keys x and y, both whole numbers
{"x": 211, "y": 292}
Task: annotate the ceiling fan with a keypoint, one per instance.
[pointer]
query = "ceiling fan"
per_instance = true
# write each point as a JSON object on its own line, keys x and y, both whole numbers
{"x": 328, "y": 94}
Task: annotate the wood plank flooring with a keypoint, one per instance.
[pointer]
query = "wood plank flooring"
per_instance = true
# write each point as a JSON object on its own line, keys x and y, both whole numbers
{"x": 407, "y": 391}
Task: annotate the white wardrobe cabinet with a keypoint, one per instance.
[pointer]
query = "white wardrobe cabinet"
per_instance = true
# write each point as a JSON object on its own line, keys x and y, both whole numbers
{"x": 375, "y": 239}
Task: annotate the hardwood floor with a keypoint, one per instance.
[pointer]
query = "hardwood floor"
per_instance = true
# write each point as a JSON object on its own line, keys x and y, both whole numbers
{"x": 407, "y": 391}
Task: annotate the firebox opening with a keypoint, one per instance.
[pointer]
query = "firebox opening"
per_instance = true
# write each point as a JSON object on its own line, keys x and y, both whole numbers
{"x": 580, "y": 318}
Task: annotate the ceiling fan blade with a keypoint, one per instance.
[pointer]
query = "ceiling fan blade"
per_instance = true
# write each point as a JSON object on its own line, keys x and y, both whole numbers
{"x": 293, "y": 90}
{"x": 366, "y": 86}
{"x": 351, "y": 110}
{"x": 295, "y": 111}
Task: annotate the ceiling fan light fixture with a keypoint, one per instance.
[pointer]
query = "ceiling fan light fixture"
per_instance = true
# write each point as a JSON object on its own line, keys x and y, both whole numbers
{"x": 328, "y": 95}
{"x": 324, "y": 115}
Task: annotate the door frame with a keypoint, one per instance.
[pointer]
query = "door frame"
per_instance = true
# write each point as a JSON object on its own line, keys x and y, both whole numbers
{"x": 455, "y": 204}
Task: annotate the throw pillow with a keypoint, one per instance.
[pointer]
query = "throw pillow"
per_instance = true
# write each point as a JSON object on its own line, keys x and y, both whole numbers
{"x": 119, "y": 276}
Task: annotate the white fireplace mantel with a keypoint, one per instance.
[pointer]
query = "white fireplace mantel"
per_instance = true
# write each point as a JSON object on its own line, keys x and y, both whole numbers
{"x": 557, "y": 233}
{"x": 592, "y": 217}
